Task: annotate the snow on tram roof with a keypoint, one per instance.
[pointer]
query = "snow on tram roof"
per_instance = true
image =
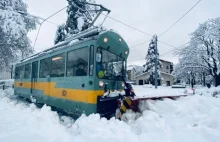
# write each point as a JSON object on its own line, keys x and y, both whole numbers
{"x": 64, "y": 44}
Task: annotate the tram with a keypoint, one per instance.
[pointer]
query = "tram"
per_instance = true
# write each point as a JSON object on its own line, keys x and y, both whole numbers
{"x": 83, "y": 74}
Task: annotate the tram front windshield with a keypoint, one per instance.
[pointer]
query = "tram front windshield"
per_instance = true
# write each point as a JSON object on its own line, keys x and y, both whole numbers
{"x": 109, "y": 65}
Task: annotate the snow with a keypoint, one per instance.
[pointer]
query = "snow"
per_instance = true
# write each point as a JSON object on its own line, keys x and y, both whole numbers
{"x": 130, "y": 67}
{"x": 13, "y": 23}
{"x": 192, "y": 118}
{"x": 73, "y": 42}
{"x": 214, "y": 91}
{"x": 80, "y": 22}
{"x": 8, "y": 82}
{"x": 148, "y": 90}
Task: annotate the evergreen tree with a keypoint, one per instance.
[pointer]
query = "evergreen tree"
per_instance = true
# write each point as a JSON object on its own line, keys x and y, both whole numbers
{"x": 14, "y": 27}
{"x": 150, "y": 62}
{"x": 60, "y": 34}
{"x": 79, "y": 17}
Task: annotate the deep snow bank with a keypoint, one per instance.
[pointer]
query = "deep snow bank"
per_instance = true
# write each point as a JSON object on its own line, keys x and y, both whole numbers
{"x": 194, "y": 118}
{"x": 214, "y": 91}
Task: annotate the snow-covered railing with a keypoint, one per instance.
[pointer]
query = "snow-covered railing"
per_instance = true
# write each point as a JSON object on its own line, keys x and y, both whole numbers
{"x": 3, "y": 87}
{"x": 8, "y": 83}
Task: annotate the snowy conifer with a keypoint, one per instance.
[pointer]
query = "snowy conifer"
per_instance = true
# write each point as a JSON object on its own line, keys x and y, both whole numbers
{"x": 79, "y": 17}
{"x": 60, "y": 34}
{"x": 14, "y": 27}
{"x": 150, "y": 62}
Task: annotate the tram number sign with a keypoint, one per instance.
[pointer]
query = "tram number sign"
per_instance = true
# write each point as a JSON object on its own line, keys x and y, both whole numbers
{"x": 64, "y": 93}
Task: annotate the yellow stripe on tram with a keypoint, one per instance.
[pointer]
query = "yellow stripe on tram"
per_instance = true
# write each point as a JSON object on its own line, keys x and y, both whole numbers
{"x": 86, "y": 96}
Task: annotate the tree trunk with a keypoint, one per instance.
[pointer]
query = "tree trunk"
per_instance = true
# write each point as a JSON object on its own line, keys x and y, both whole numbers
{"x": 217, "y": 80}
{"x": 192, "y": 83}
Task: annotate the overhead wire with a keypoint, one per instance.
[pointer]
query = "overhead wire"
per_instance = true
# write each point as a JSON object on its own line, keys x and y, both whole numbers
{"x": 127, "y": 25}
{"x": 133, "y": 47}
{"x": 174, "y": 49}
{"x": 141, "y": 32}
{"x": 122, "y": 24}
{"x": 170, "y": 27}
{"x": 180, "y": 18}
{"x": 27, "y": 14}
{"x": 138, "y": 31}
{"x": 44, "y": 21}
{"x": 165, "y": 52}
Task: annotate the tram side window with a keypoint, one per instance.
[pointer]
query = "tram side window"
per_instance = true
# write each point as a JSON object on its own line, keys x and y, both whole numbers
{"x": 17, "y": 73}
{"x": 35, "y": 69}
{"x": 45, "y": 68}
{"x": 21, "y": 72}
{"x": 91, "y": 60}
{"x": 77, "y": 62}
{"x": 58, "y": 66}
{"x": 27, "y": 73}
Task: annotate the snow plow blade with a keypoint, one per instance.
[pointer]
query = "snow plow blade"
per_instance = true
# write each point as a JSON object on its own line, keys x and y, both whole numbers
{"x": 133, "y": 103}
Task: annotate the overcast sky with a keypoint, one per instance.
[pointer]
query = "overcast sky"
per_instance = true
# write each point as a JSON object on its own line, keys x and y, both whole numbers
{"x": 150, "y": 16}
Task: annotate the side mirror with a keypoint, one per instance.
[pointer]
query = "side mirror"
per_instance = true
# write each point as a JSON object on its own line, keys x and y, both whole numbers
{"x": 98, "y": 57}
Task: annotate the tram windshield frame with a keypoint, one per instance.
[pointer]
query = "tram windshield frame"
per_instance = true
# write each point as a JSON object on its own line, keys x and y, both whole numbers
{"x": 109, "y": 65}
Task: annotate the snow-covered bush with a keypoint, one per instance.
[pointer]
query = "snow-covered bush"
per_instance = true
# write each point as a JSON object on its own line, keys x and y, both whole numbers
{"x": 213, "y": 91}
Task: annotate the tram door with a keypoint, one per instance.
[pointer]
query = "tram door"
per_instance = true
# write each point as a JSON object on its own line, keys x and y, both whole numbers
{"x": 34, "y": 77}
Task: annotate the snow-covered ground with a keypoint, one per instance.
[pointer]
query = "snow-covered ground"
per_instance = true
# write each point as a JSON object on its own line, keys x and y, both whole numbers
{"x": 149, "y": 90}
{"x": 188, "y": 119}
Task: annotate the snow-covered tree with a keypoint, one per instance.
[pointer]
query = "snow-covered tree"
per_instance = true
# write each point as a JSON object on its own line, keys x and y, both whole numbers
{"x": 150, "y": 62}
{"x": 189, "y": 72}
{"x": 60, "y": 34}
{"x": 79, "y": 17}
{"x": 204, "y": 48}
{"x": 15, "y": 23}
{"x": 139, "y": 70}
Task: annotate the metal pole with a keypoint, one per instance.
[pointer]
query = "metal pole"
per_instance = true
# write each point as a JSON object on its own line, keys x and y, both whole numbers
{"x": 219, "y": 46}
{"x": 156, "y": 62}
{"x": 44, "y": 21}
{"x": 11, "y": 71}
{"x": 190, "y": 79}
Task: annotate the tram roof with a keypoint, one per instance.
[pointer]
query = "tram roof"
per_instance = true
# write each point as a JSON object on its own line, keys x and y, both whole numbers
{"x": 62, "y": 45}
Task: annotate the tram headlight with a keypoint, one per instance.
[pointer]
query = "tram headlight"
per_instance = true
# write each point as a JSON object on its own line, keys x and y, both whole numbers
{"x": 126, "y": 52}
{"x": 120, "y": 39}
{"x": 105, "y": 39}
{"x": 122, "y": 84}
{"x": 101, "y": 83}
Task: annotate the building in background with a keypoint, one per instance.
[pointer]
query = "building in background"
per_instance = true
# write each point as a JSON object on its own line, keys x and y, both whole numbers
{"x": 167, "y": 66}
{"x": 131, "y": 71}
{"x": 166, "y": 70}
{"x": 6, "y": 74}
